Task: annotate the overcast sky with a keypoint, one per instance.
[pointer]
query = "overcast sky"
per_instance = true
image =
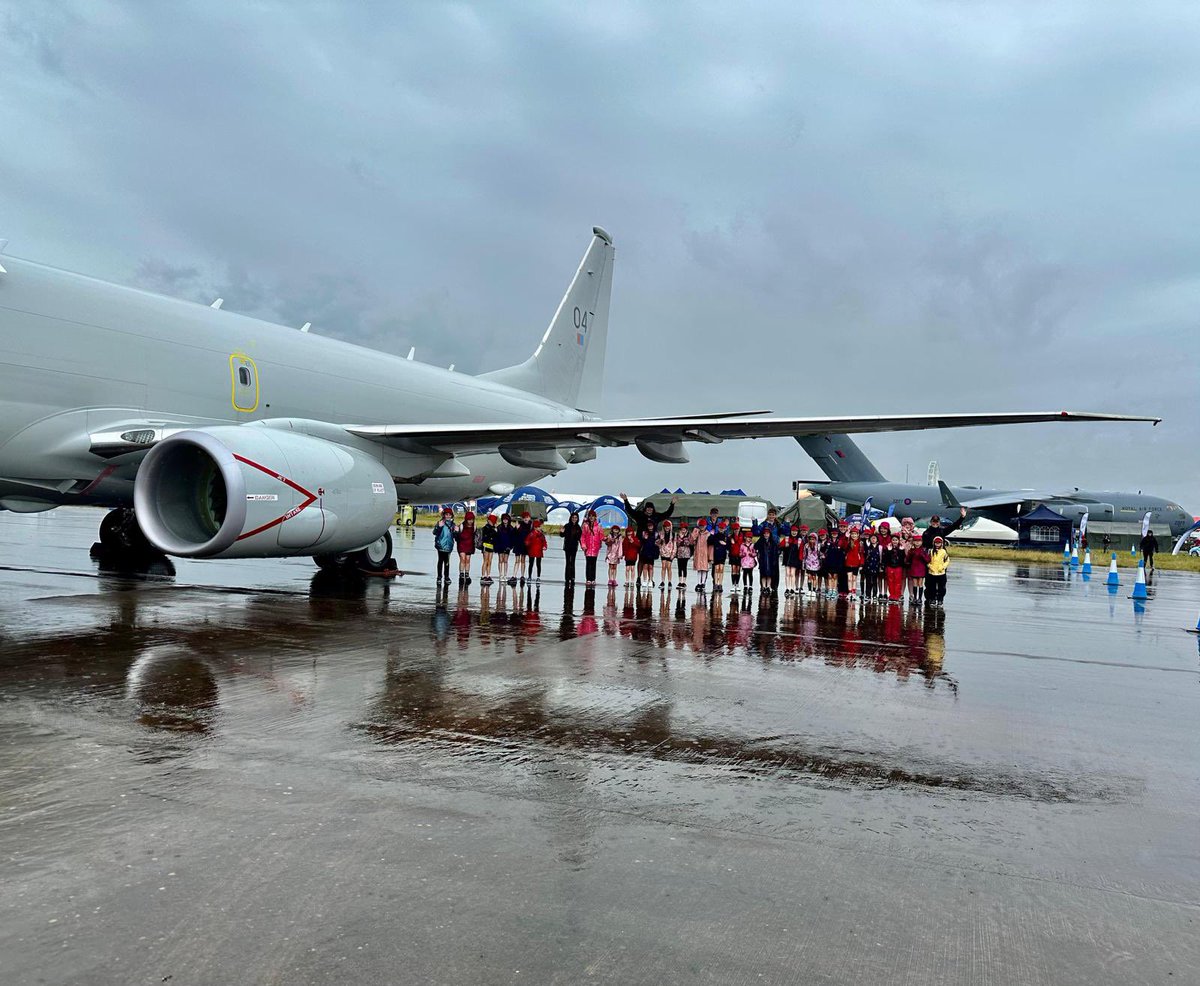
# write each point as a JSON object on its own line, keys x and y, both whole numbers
{"x": 817, "y": 208}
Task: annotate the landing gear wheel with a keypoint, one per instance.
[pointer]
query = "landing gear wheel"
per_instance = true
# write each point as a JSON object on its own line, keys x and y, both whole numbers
{"x": 329, "y": 563}
{"x": 120, "y": 531}
{"x": 122, "y": 543}
{"x": 376, "y": 556}
{"x": 110, "y": 529}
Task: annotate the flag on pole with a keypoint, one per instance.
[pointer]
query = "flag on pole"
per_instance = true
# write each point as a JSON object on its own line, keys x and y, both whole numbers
{"x": 891, "y": 510}
{"x": 1083, "y": 524}
{"x": 1146, "y": 523}
{"x": 866, "y": 512}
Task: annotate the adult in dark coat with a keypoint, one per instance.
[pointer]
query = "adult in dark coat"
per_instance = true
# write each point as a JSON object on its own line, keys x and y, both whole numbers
{"x": 1149, "y": 547}
{"x": 935, "y": 528}
{"x": 645, "y": 518}
{"x": 571, "y": 533}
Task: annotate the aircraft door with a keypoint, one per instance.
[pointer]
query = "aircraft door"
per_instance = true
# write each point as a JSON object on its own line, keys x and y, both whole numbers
{"x": 244, "y": 376}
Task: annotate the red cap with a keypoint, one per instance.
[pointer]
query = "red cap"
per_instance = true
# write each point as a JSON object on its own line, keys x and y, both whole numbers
{"x": 822, "y": 532}
{"x": 721, "y": 525}
{"x": 491, "y": 518}
{"x": 537, "y": 523}
{"x": 525, "y": 515}
{"x": 447, "y": 510}
{"x": 468, "y": 515}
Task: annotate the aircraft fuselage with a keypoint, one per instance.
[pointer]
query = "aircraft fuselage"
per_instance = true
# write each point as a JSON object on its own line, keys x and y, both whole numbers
{"x": 81, "y": 357}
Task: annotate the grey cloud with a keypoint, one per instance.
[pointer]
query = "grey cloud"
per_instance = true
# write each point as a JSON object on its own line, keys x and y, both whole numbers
{"x": 971, "y": 206}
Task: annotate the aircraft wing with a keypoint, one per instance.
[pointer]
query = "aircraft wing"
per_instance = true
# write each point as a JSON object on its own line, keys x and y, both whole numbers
{"x": 1010, "y": 497}
{"x": 661, "y": 439}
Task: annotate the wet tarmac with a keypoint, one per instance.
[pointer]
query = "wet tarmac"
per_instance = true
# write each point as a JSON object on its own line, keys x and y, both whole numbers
{"x": 247, "y": 772}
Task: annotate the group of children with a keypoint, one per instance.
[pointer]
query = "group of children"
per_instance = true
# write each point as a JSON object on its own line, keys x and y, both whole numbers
{"x": 497, "y": 540}
{"x": 858, "y": 562}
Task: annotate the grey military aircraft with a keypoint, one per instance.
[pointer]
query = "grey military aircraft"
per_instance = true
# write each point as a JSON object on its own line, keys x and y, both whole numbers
{"x": 853, "y": 478}
{"x": 216, "y": 435}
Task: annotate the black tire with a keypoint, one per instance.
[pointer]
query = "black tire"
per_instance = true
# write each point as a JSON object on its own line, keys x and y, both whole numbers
{"x": 110, "y": 529}
{"x": 132, "y": 538}
{"x": 329, "y": 563}
{"x": 377, "y": 556}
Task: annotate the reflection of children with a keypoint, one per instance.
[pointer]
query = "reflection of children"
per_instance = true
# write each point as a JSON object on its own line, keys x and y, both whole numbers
{"x": 683, "y": 554}
{"x": 613, "y": 553}
{"x": 666, "y": 552}
{"x": 631, "y": 547}
{"x": 535, "y": 547}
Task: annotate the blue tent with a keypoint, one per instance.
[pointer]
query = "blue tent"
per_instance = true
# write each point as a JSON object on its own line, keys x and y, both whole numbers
{"x": 1043, "y": 529}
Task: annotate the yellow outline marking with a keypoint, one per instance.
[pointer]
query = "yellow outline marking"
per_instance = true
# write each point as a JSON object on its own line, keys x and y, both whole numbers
{"x": 233, "y": 368}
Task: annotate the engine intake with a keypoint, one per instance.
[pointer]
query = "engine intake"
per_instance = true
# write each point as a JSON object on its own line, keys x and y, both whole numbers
{"x": 241, "y": 491}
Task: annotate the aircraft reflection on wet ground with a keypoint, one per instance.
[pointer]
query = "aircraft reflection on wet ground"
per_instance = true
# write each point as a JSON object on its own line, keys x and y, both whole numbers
{"x": 196, "y": 766}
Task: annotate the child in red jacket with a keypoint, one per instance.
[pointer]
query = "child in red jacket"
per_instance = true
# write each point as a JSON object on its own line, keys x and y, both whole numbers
{"x": 535, "y": 547}
{"x": 466, "y": 547}
{"x": 631, "y": 547}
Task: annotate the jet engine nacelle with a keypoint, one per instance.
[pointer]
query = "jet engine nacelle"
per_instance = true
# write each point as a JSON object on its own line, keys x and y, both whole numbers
{"x": 241, "y": 491}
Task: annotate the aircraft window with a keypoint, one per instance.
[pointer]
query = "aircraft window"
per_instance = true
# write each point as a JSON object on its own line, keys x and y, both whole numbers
{"x": 244, "y": 376}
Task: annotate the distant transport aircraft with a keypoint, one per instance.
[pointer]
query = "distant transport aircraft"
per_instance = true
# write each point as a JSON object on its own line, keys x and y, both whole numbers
{"x": 215, "y": 435}
{"x": 853, "y": 478}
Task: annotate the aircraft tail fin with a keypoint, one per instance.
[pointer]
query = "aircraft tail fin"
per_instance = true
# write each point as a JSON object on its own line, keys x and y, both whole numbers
{"x": 840, "y": 459}
{"x": 948, "y": 498}
{"x": 568, "y": 364}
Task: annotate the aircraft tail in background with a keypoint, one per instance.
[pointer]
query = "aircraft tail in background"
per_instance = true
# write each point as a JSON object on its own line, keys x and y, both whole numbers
{"x": 568, "y": 364}
{"x": 840, "y": 459}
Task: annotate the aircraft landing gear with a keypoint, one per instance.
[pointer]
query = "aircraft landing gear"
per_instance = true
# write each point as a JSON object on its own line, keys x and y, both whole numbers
{"x": 375, "y": 557}
{"x": 121, "y": 534}
{"x": 123, "y": 547}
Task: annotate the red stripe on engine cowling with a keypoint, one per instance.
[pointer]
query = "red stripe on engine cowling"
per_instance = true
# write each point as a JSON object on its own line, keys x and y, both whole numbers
{"x": 312, "y": 497}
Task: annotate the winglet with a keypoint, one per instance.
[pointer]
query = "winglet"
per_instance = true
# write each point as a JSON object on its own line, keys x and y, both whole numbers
{"x": 948, "y": 498}
{"x": 218, "y": 303}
